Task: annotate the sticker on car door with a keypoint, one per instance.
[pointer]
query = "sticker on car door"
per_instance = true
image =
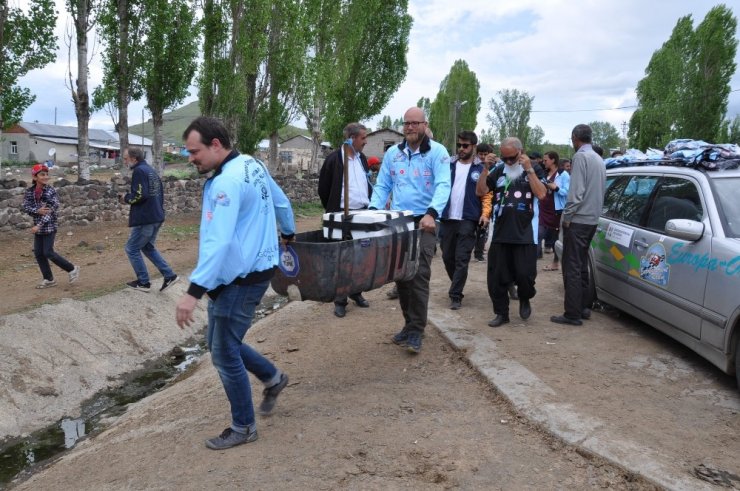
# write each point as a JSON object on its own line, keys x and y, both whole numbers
{"x": 653, "y": 265}
{"x": 619, "y": 234}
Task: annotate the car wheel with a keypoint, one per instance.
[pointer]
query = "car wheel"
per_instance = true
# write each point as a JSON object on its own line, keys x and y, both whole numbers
{"x": 737, "y": 361}
{"x": 591, "y": 283}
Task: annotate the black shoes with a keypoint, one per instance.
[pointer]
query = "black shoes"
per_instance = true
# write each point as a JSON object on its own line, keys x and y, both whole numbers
{"x": 360, "y": 301}
{"x": 142, "y": 287}
{"x": 512, "y": 292}
{"x": 230, "y": 438}
{"x": 586, "y": 313}
{"x": 168, "y": 282}
{"x": 270, "y": 395}
{"x": 525, "y": 309}
{"x": 499, "y": 320}
{"x": 413, "y": 342}
{"x": 393, "y": 294}
{"x": 561, "y": 319}
{"x": 401, "y": 337}
{"x": 340, "y": 310}
{"x": 455, "y": 304}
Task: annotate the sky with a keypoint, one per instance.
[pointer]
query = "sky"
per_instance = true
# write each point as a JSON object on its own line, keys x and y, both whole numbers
{"x": 578, "y": 60}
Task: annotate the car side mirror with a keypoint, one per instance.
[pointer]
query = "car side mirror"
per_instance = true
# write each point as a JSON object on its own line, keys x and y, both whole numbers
{"x": 681, "y": 228}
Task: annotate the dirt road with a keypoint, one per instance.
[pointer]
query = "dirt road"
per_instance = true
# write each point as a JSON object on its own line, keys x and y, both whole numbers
{"x": 359, "y": 413}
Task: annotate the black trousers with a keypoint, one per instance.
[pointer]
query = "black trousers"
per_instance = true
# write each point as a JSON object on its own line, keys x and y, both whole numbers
{"x": 576, "y": 241}
{"x": 43, "y": 249}
{"x": 509, "y": 263}
{"x": 481, "y": 234}
{"x": 457, "y": 239}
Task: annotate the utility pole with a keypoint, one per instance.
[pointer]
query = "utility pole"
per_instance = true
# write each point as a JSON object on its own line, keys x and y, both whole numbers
{"x": 624, "y": 136}
{"x": 458, "y": 105}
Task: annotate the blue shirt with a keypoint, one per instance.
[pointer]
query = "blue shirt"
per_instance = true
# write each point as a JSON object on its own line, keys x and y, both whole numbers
{"x": 241, "y": 204}
{"x": 420, "y": 181}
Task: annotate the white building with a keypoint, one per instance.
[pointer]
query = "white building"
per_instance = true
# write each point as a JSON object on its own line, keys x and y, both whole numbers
{"x": 31, "y": 142}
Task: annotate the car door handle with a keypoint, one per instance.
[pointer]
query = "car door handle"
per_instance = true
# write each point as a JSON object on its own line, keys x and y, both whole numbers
{"x": 640, "y": 243}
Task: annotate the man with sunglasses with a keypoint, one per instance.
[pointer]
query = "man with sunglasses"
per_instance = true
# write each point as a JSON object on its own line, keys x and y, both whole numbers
{"x": 465, "y": 211}
{"x": 517, "y": 186}
{"x": 417, "y": 171}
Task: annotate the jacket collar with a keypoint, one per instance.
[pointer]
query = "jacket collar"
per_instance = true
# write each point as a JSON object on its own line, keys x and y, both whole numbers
{"x": 234, "y": 154}
{"x": 423, "y": 148}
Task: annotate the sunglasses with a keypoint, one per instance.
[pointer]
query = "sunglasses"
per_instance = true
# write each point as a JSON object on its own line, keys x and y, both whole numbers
{"x": 510, "y": 160}
{"x": 463, "y": 145}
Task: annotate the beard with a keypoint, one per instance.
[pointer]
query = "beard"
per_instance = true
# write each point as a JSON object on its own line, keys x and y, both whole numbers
{"x": 513, "y": 172}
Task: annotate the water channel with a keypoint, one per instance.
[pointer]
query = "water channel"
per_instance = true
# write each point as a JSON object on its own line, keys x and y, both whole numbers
{"x": 22, "y": 456}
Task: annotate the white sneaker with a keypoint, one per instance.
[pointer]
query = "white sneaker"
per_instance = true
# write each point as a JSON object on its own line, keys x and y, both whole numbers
{"x": 74, "y": 274}
{"x": 46, "y": 284}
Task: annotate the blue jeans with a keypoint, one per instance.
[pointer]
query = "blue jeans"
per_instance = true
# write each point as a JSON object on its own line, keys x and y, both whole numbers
{"x": 229, "y": 317}
{"x": 140, "y": 240}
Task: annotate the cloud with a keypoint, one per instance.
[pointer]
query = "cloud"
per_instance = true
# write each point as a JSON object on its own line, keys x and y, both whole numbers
{"x": 569, "y": 56}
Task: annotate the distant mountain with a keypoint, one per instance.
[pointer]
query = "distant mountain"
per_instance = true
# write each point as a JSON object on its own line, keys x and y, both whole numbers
{"x": 176, "y": 121}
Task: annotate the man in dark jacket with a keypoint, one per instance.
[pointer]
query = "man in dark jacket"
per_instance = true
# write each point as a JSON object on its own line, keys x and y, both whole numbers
{"x": 331, "y": 189}
{"x": 145, "y": 218}
{"x": 462, "y": 216}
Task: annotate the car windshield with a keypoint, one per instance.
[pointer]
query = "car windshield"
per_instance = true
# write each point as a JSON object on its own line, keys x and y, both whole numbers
{"x": 728, "y": 200}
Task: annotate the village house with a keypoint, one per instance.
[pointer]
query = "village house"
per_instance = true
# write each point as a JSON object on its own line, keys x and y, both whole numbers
{"x": 32, "y": 142}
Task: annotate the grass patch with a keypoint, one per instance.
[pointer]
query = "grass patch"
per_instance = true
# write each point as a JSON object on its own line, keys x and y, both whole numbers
{"x": 181, "y": 231}
{"x": 189, "y": 173}
{"x": 309, "y": 209}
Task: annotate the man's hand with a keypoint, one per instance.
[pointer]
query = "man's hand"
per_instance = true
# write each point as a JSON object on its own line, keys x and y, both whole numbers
{"x": 34, "y": 229}
{"x": 44, "y": 210}
{"x": 427, "y": 223}
{"x": 184, "y": 310}
{"x": 483, "y": 222}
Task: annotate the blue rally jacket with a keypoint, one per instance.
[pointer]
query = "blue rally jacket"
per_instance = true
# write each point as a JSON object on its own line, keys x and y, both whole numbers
{"x": 420, "y": 181}
{"x": 238, "y": 237}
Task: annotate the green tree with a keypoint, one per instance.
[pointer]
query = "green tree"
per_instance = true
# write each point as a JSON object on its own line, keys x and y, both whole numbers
{"x": 686, "y": 86}
{"x": 385, "y": 122}
{"x": 487, "y": 136}
{"x": 711, "y": 64}
{"x": 232, "y": 85}
{"x": 605, "y": 135}
{"x": 370, "y": 61}
{"x": 535, "y": 139}
{"x": 27, "y": 42}
{"x": 511, "y": 114}
{"x": 456, "y": 106}
{"x": 284, "y": 66}
{"x": 120, "y": 28}
{"x": 426, "y": 105}
{"x": 168, "y": 63}
{"x": 83, "y": 19}
{"x": 730, "y": 131}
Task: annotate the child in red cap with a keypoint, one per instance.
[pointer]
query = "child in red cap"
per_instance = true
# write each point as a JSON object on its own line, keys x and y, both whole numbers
{"x": 42, "y": 202}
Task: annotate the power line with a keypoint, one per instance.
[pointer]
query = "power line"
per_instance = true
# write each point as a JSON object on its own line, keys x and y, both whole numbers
{"x": 601, "y": 109}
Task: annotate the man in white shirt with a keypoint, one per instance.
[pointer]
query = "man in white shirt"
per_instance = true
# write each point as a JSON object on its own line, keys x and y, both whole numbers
{"x": 331, "y": 188}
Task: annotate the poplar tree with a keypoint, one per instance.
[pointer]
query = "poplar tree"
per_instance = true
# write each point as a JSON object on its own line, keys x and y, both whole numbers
{"x": 456, "y": 106}
{"x": 685, "y": 91}
{"x": 82, "y": 13}
{"x": 510, "y": 115}
{"x": 169, "y": 56}
{"x": 120, "y": 28}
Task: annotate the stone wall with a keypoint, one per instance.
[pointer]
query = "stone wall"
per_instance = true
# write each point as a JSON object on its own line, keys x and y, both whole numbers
{"x": 97, "y": 201}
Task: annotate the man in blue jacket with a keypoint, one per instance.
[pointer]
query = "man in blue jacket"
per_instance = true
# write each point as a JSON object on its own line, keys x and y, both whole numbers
{"x": 417, "y": 171}
{"x": 237, "y": 256}
{"x": 464, "y": 212}
{"x": 145, "y": 218}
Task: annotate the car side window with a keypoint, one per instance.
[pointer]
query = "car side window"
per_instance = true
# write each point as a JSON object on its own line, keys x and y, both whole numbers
{"x": 633, "y": 202}
{"x": 675, "y": 197}
{"x": 614, "y": 189}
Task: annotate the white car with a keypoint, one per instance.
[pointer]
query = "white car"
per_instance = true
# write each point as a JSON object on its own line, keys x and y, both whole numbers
{"x": 667, "y": 251}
